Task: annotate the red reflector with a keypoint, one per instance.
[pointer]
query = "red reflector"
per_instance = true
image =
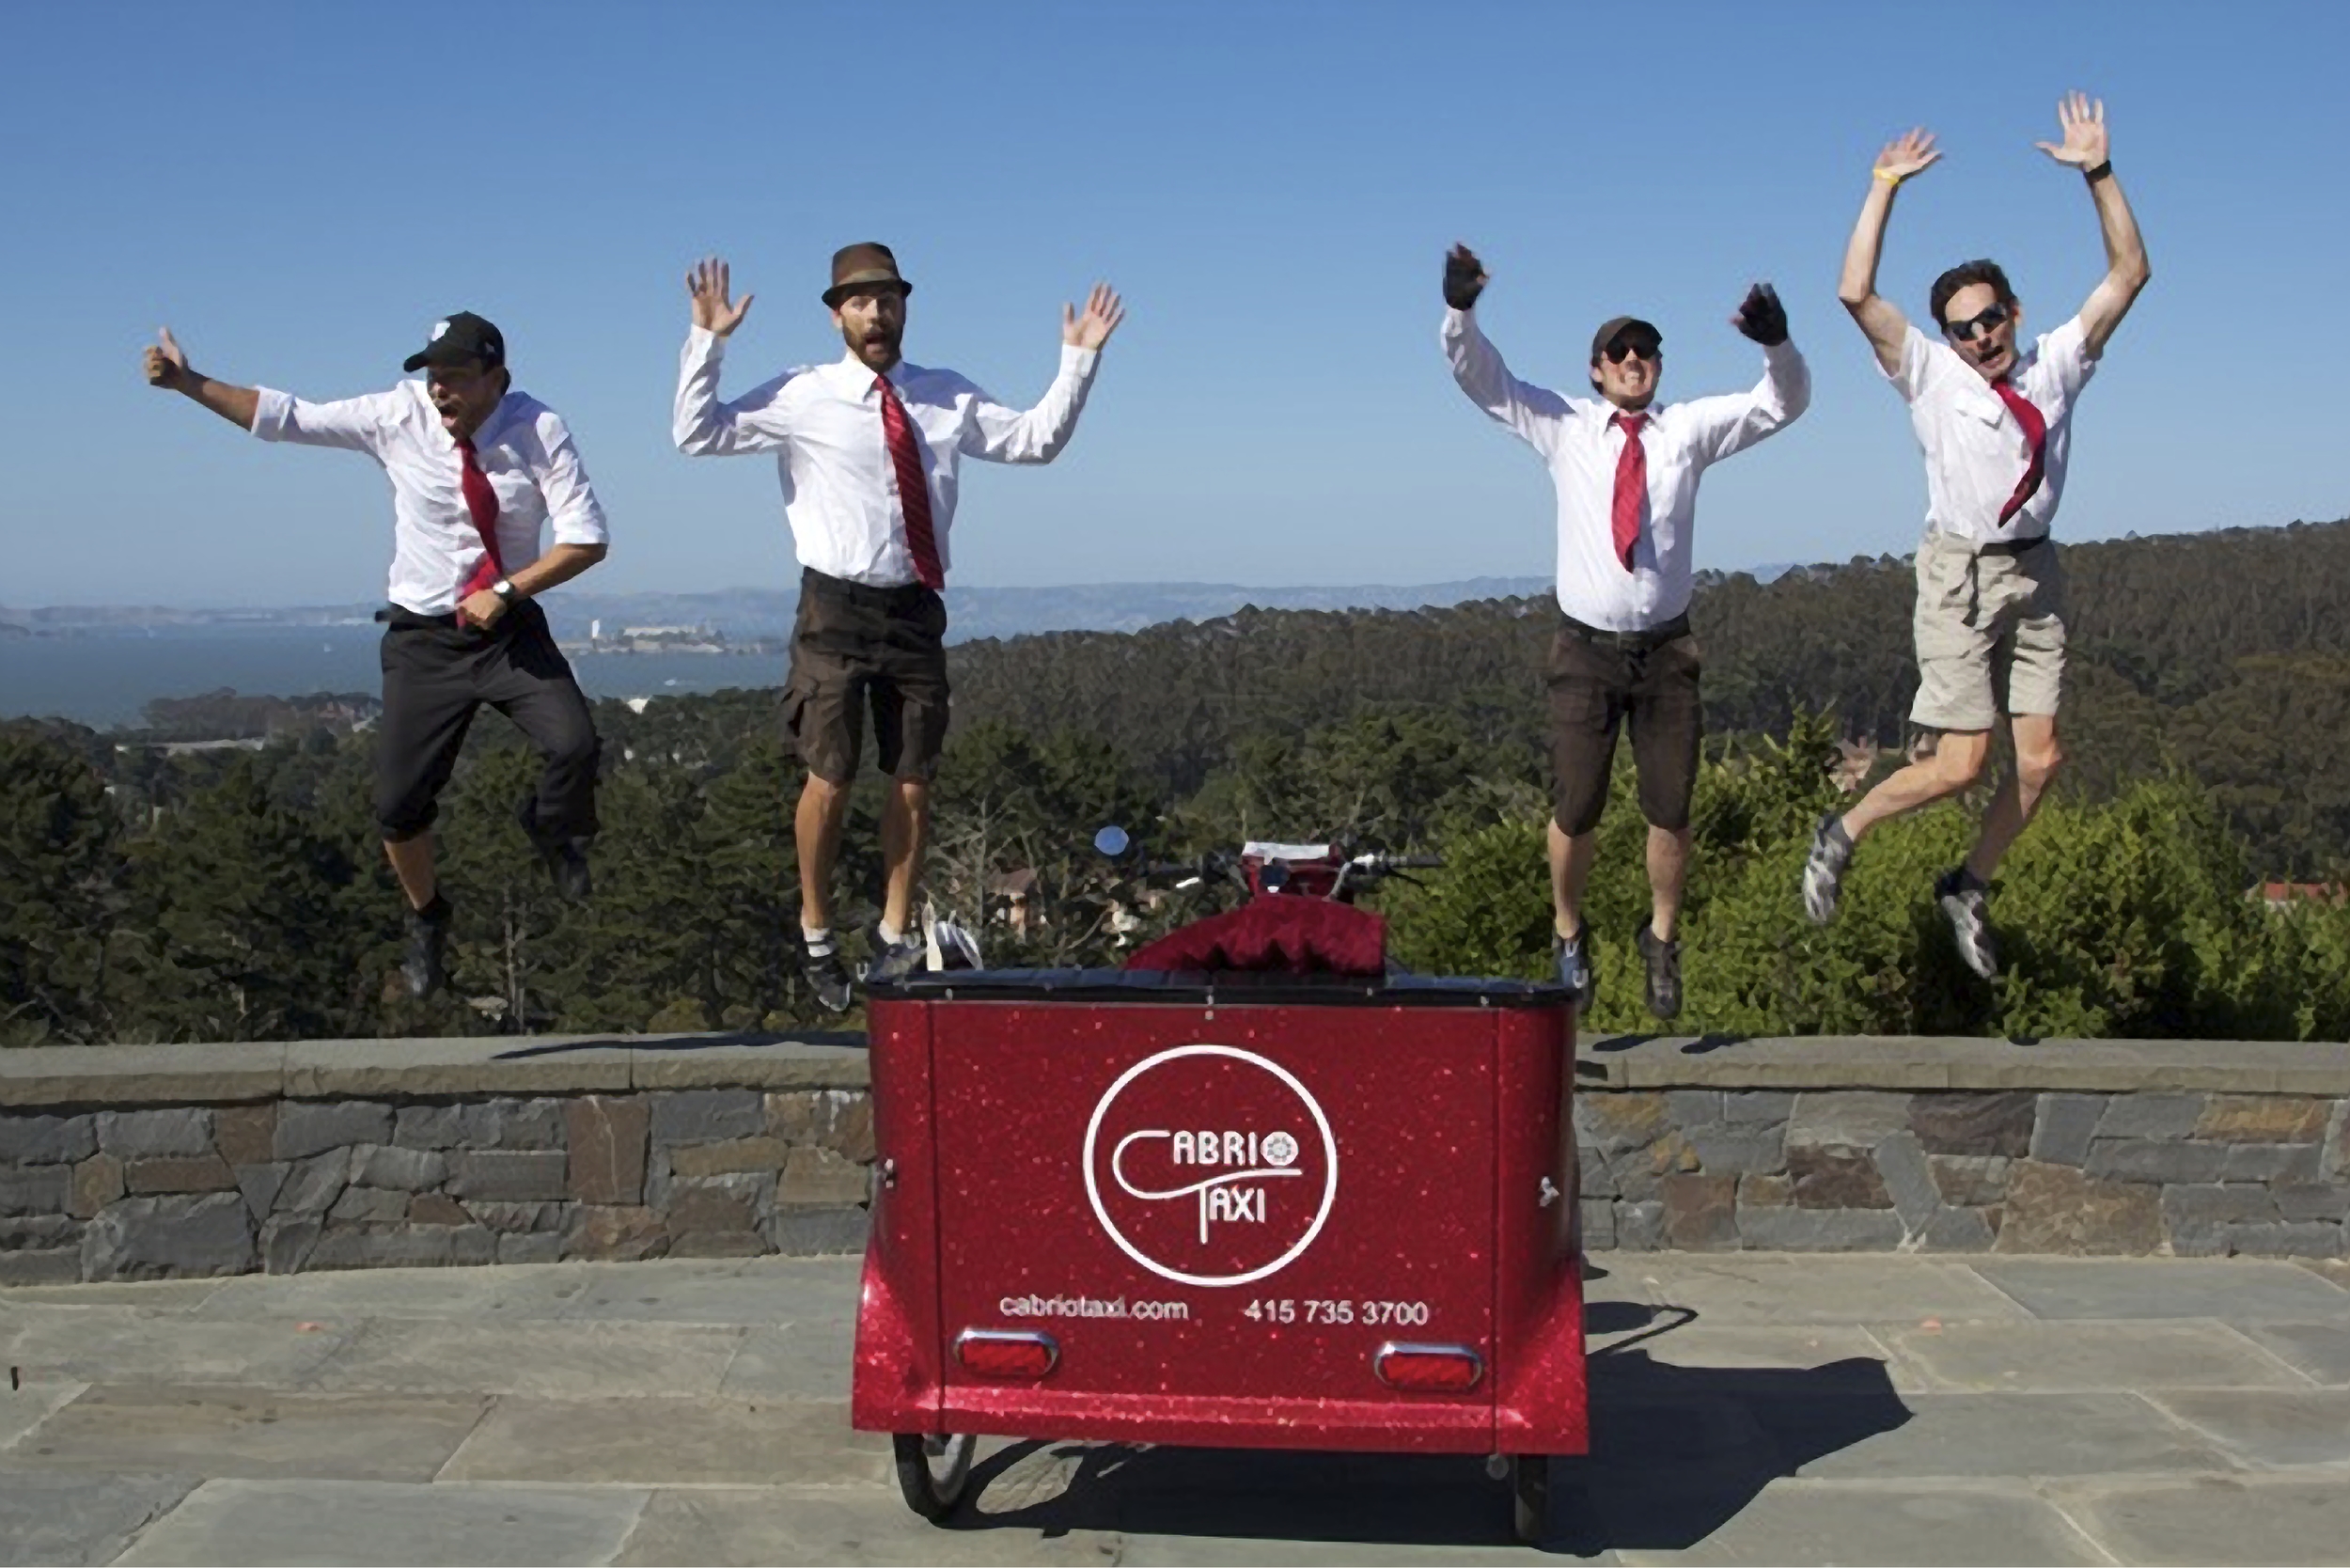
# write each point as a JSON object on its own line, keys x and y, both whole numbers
{"x": 998, "y": 1353}
{"x": 1429, "y": 1369}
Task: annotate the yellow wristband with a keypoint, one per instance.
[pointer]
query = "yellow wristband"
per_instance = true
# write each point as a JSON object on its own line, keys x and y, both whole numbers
{"x": 1890, "y": 178}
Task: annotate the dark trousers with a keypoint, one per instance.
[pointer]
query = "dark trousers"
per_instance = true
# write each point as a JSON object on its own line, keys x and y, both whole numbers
{"x": 1600, "y": 680}
{"x": 436, "y": 675}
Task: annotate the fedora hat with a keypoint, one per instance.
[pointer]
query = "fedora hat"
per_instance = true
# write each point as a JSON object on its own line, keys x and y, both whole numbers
{"x": 861, "y": 266}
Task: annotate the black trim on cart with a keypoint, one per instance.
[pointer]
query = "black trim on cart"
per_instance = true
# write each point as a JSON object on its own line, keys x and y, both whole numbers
{"x": 1235, "y": 989}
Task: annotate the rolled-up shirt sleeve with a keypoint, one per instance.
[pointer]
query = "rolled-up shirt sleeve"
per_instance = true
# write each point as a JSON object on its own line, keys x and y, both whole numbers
{"x": 573, "y": 513}
{"x": 2065, "y": 353}
{"x": 996, "y": 433}
{"x": 706, "y": 427}
{"x": 355, "y": 424}
{"x": 1535, "y": 412}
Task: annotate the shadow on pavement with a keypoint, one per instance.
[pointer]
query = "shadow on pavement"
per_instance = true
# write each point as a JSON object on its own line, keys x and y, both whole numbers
{"x": 1677, "y": 1453}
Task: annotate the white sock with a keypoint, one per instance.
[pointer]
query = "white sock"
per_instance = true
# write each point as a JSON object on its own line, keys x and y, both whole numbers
{"x": 818, "y": 940}
{"x": 891, "y": 935}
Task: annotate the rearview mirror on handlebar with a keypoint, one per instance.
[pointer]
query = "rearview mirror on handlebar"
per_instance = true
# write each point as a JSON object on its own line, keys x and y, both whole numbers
{"x": 1112, "y": 841}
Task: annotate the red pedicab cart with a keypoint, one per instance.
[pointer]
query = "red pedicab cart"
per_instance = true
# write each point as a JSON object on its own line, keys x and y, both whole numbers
{"x": 1252, "y": 1191}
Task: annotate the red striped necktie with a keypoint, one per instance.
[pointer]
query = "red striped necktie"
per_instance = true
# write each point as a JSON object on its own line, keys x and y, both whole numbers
{"x": 2035, "y": 437}
{"x": 913, "y": 487}
{"x": 482, "y": 502}
{"x": 1631, "y": 487}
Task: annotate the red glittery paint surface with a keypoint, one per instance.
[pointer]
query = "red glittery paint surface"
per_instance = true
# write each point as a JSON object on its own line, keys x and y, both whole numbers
{"x": 1220, "y": 1215}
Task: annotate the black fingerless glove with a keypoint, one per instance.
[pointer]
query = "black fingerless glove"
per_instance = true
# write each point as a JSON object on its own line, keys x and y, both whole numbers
{"x": 1463, "y": 280}
{"x": 1762, "y": 318}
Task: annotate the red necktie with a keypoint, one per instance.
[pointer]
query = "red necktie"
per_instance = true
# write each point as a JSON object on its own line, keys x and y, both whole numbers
{"x": 1631, "y": 486}
{"x": 482, "y": 502}
{"x": 2035, "y": 436}
{"x": 913, "y": 487}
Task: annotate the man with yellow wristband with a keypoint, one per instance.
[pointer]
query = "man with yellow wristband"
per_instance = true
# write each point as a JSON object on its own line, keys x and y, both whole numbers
{"x": 1994, "y": 422}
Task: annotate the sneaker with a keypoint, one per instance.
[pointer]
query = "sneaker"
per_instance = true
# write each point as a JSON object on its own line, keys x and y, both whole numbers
{"x": 566, "y": 859}
{"x": 1964, "y": 906}
{"x": 1824, "y": 872}
{"x": 828, "y": 978}
{"x": 894, "y": 961}
{"x": 1663, "y": 957}
{"x": 422, "y": 967}
{"x": 1576, "y": 969}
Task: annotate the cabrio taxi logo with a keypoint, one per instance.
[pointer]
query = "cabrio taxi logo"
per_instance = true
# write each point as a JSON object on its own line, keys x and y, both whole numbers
{"x": 1210, "y": 1166}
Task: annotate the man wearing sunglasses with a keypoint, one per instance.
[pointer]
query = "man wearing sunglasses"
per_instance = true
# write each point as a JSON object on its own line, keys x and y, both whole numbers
{"x": 1995, "y": 424}
{"x": 1626, "y": 470}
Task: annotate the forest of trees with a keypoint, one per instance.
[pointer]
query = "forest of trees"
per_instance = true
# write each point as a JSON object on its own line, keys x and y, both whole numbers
{"x": 146, "y": 896}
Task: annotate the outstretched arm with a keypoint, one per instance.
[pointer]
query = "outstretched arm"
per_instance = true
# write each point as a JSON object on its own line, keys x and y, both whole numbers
{"x": 997, "y": 433}
{"x": 2084, "y": 147}
{"x": 1726, "y": 425}
{"x": 167, "y": 367}
{"x": 1535, "y": 412}
{"x": 1880, "y": 321}
{"x": 703, "y": 425}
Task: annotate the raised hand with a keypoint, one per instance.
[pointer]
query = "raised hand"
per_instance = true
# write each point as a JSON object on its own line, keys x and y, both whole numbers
{"x": 2083, "y": 121}
{"x": 709, "y": 282}
{"x": 1910, "y": 153}
{"x": 1102, "y": 312}
{"x": 1464, "y": 278}
{"x": 166, "y": 364}
{"x": 1761, "y": 316}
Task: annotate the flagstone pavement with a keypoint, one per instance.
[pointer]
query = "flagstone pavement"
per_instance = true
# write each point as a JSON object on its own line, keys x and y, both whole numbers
{"x": 1747, "y": 1408}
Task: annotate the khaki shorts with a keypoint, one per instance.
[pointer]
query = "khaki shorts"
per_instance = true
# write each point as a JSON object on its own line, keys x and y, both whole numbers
{"x": 1990, "y": 631}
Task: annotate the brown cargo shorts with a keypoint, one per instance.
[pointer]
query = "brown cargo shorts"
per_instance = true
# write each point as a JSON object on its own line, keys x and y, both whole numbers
{"x": 1601, "y": 681}
{"x": 854, "y": 648}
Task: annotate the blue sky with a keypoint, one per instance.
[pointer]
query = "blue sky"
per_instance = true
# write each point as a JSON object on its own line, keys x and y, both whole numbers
{"x": 300, "y": 189}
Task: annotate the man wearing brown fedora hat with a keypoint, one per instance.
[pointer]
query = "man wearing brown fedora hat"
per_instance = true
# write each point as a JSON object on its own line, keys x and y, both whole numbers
{"x": 1626, "y": 469}
{"x": 868, "y": 448}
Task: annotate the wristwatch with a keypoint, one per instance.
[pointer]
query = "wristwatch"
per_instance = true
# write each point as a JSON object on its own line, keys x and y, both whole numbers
{"x": 503, "y": 588}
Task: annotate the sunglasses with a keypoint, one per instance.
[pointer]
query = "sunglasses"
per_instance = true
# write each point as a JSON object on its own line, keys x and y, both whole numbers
{"x": 1640, "y": 348}
{"x": 1968, "y": 331}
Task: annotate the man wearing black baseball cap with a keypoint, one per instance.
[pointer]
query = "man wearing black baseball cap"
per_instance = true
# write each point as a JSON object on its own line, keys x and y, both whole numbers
{"x": 477, "y": 470}
{"x": 868, "y": 449}
{"x": 1626, "y": 470}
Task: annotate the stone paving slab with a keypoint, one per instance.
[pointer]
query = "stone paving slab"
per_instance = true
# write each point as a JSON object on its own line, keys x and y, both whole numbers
{"x": 2248, "y": 1520}
{"x": 2014, "y": 1436}
{"x": 817, "y": 1526}
{"x": 2090, "y": 1355}
{"x": 2270, "y": 1427}
{"x": 217, "y": 1432}
{"x": 577, "y": 1360}
{"x": 2320, "y": 1350}
{"x": 672, "y": 1442}
{"x": 363, "y": 1522}
{"x": 2238, "y": 1289}
{"x": 807, "y": 1360}
{"x": 1804, "y": 1521}
{"x": 344, "y": 1294}
{"x": 61, "y": 1517}
{"x": 29, "y": 1404}
{"x": 113, "y": 1345}
{"x": 1737, "y": 1349}
{"x": 1734, "y": 1288}
{"x": 161, "y": 1296}
{"x": 748, "y": 1292}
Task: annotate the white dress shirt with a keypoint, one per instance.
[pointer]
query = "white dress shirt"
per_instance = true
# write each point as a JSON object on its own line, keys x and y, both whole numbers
{"x": 1580, "y": 442}
{"x": 523, "y": 447}
{"x": 1975, "y": 450}
{"x": 824, "y": 421}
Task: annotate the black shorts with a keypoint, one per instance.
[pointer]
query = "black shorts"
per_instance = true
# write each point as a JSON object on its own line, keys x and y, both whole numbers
{"x": 1595, "y": 686}
{"x": 854, "y": 648}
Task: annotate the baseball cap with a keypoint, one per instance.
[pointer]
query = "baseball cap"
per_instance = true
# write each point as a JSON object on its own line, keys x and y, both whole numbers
{"x": 464, "y": 338}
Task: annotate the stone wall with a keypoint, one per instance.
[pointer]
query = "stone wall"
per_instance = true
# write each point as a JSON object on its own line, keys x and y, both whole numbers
{"x": 142, "y": 1162}
{"x": 410, "y": 1170}
{"x": 2005, "y": 1171}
